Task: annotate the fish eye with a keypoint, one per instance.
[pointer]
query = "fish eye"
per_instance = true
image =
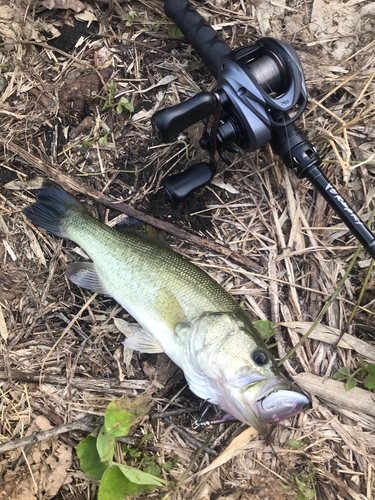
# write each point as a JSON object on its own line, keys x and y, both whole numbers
{"x": 260, "y": 357}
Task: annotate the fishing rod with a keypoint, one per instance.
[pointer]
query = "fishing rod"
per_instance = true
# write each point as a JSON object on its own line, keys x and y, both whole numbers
{"x": 258, "y": 86}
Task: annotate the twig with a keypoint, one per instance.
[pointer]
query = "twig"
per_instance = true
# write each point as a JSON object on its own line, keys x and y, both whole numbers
{"x": 81, "y": 424}
{"x": 190, "y": 438}
{"x": 75, "y": 328}
{"x": 172, "y": 413}
{"x": 71, "y": 184}
{"x": 106, "y": 385}
{"x": 196, "y": 456}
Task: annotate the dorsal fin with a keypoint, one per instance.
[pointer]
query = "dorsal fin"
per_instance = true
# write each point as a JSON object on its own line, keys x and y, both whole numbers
{"x": 134, "y": 227}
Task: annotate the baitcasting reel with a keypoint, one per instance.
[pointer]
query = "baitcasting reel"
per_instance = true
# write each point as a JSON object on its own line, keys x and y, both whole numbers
{"x": 258, "y": 88}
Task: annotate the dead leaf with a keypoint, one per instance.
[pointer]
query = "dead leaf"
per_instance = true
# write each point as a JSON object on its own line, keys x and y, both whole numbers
{"x": 74, "y": 5}
{"x": 127, "y": 360}
{"x": 232, "y": 450}
{"x": 145, "y": 115}
{"x": 87, "y": 16}
{"x": 164, "y": 81}
{"x": 59, "y": 462}
{"x": 225, "y": 186}
{"x": 3, "y": 326}
{"x": 139, "y": 407}
{"x": 17, "y": 485}
{"x": 42, "y": 423}
{"x": 17, "y": 185}
{"x": 6, "y": 13}
{"x": 48, "y": 461}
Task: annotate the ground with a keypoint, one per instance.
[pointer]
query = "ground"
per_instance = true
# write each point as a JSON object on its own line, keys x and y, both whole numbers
{"x": 267, "y": 237}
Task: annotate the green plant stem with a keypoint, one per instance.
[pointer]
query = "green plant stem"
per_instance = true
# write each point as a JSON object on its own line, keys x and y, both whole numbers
{"x": 355, "y": 372}
{"x": 195, "y": 458}
{"x": 325, "y": 308}
{"x": 353, "y": 313}
{"x": 331, "y": 299}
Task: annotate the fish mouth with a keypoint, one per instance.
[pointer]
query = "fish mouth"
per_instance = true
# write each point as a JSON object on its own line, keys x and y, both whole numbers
{"x": 281, "y": 404}
{"x": 274, "y": 402}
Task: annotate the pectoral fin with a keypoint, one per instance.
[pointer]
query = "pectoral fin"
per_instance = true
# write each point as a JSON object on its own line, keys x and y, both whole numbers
{"x": 84, "y": 274}
{"x": 143, "y": 341}
{"x": 169, "y": 309}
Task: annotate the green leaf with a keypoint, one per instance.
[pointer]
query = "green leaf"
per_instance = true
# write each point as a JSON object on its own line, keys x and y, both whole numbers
{"x": 123, "y": 102}
{"x": 105, "y": 444}
{"x": 301, "y": 483}
{"x": 370, "y": 381}
{"x": 265, "y": 328}
{"x": 175, "y": 32}
{"x": 350, "y": 383}
{"x": 103, "y": 140}
{"x": 117, "y": 422}
{"x": 138, "y": 477}
{"x": 342, "y": 374}
{"x": 300, "y": 495}
{"x": 147, "y": 437}
{"x": 310, "y": 494}
{"x": 371, "y": 369}
{"x": 294, "y": 444}
{"x": 153, "y": 469}
{"x": 115, "y": 486}
{"x": 89, "y": 458}
{"x": 111, "y": 87}
{"x": 167, "y": 466}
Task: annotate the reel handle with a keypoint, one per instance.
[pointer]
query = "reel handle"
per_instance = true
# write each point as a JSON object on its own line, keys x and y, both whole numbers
{"x": 210, "y": 47}
{"x": 170, "y": 122}
{"x": 180, "y": 186}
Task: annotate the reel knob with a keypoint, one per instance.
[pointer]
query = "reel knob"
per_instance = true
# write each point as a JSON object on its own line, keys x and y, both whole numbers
{"x": 181, "y": 185}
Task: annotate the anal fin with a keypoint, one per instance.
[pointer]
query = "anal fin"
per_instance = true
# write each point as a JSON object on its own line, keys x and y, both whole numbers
{"x": 84, "y": 274}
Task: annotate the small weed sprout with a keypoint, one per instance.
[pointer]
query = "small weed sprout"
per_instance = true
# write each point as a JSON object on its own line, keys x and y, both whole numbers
{"x": 96, "y": 453}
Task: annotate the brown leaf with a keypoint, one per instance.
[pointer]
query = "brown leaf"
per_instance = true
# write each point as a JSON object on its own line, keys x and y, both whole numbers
{"x": 74, "y": 5}
{"x": 139, "y": 407}
{"x": 59, "y": 462}
{"x": 232, "y": 450}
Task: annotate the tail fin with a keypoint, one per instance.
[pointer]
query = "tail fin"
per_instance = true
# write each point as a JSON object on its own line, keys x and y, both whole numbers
{"x": 53, "y": 209}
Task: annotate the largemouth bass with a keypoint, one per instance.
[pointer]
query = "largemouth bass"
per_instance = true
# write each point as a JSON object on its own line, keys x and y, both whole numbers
{"x": 182, "y": 311}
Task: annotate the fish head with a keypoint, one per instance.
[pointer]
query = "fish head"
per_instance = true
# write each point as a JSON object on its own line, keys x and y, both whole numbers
{"x": 231, "y": 366}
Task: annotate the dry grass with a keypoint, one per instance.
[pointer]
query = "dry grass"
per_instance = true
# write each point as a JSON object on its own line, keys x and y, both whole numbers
{"x": 264, "y": 235}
